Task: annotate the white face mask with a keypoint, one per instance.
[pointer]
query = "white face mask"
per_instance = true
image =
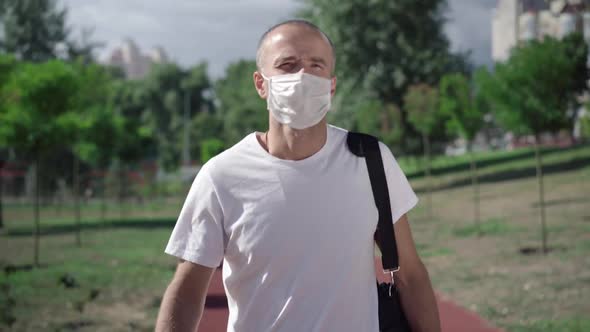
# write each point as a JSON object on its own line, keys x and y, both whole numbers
{"x": 298, "y": 100}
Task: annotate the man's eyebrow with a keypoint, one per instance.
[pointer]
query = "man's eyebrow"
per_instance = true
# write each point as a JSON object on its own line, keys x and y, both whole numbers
{"x": 319, "y": 60}
{"x": 281, "y": 59}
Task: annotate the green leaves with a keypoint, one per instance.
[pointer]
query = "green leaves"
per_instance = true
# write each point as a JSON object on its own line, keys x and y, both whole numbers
{"x": 35, "y": 116}
{"x": 422, "y": 105}
{"x": 33, "y": 28}
{"x": 240, "y": 107}
{"x": 532, "y": 91}
{"x": 384, "y": 47}
{"x": 462, "y": 106}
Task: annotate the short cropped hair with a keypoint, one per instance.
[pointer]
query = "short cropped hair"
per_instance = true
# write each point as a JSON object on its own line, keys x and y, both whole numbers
{"x": 292, "y": 22}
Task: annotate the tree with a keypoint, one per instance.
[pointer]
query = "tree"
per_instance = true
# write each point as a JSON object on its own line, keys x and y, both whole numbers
{"x": 96, "y": 127}
{"x": 197, "y": 90}
{"x": 422, "y": 106}
{"x": 240, "y": 107}
{"x": 210, "y": 148}
{"x": 465, "y": 110}
{"x": 532, "y": 92}
{"x": 33, "y": 28}
{"x": 7, "y": 66}
{"x": 382, "y": 120}
{"x": 136, "y": 139}
{"x": 169, "y": 93}
{"x": 206, "y": 126}
{"x": 37, "y": 118}
{"x": 386, "y": 46}
{"x": 83, "y": 48}
{"x": 585, "y": 122}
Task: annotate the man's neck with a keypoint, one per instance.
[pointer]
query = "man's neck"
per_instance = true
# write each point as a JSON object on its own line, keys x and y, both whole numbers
{"x": 291, "y": 144}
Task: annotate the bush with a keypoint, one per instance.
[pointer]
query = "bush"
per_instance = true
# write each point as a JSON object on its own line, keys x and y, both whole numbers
{"x": 210, "y": 148}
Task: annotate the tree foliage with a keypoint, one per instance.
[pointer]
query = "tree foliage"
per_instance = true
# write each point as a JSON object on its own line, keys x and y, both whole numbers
{"x": 422, "y": 106}
{"x": 387, "y": 46}
{"x": 205, "y": 126}
{"x": 38, "y": 115}
{"x": 209, "y": 148}
{"x": 99, "y": 128}
{"x": 464, "y": 108}
{"x": 39, "y": 98}
{"x": 127, "y": 100}
{"x": 240, "y": 107}
{"x": 33, "y": 28}
{"x": 532, "y": 91}
{"x": 161, "y": 98}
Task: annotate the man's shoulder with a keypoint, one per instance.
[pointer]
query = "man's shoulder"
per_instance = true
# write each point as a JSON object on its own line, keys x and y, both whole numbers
{"x": 337, "y": 131}
{"x": 230, "y": 158}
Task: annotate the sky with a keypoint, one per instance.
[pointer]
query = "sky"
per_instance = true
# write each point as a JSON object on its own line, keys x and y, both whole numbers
{"x": 223, "y": 31}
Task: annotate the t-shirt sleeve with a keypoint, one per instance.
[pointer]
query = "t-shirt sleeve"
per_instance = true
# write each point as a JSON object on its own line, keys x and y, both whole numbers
{"x": 401, "y": 194}
{"x": 198, "y": 234}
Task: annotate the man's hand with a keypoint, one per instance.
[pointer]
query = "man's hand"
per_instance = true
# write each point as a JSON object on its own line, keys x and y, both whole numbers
{"x": 184, "y": 300}
{"x": 413, "y": 282}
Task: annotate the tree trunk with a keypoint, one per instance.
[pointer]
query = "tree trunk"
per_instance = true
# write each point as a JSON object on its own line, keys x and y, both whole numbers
{"x": 1, "y": 192}
{"x": 121, "y": 194}
{"x": 426, "y": 142}
{"x": 539, "y": 158}
{"x": 103, "y": 201}
{"x": 77, "y": 200}
{"x": 58, "y": 203}
{"x": 155, "y": 197}
{"x": 475, "y": 186}
{"x": 37, "y": 229}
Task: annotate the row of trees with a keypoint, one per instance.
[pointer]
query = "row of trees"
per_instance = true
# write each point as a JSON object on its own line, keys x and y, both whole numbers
{"x": 398, "y": 79}
{"x": 536, "y": 91}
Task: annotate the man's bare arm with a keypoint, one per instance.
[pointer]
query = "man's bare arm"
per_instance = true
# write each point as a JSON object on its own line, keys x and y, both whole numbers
{"x": 414, "y": 284}
{"x": 184, "y": 299}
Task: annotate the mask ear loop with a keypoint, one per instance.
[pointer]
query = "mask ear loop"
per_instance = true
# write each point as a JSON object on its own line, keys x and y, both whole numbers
{"x": 267, "y": 85}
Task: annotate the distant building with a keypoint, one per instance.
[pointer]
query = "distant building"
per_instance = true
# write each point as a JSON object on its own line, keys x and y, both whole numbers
{"x": 134, "y": 64}
{"x": 514, "y": 21}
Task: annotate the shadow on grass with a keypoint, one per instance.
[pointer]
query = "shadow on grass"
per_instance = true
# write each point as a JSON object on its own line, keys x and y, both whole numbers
{"x": 580, "y": 200}
{"x": 528, "y": 251}
{"x": 493, "y": 161}
{"x": 520, "y": 173}
{"x": 9, "y": 269}
{"x": 76, "y": 325}
{"x": 57, "y": 229}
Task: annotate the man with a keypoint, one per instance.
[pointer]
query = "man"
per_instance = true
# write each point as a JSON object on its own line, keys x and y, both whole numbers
{"x": 291, "y": 213}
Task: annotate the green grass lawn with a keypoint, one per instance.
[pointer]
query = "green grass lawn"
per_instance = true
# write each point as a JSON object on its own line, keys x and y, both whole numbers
{"x": 122, "y": 267}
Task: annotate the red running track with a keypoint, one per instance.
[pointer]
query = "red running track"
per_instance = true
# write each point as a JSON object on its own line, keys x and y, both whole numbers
{"x": 453, "y": 317}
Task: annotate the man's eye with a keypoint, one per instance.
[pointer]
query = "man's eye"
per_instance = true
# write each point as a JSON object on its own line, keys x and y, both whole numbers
{"x": 286, "y": 65}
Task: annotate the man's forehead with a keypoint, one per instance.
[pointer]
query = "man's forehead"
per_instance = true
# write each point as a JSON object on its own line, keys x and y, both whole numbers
{"x": 293, "y": 32}
{"x": 285, "y": 41}
{"x": 295, "y": 37}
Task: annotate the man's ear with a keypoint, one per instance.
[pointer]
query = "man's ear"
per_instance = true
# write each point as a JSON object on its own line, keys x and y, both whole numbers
{"x": 259, "y": 85}
{"x": 333, "y": 88}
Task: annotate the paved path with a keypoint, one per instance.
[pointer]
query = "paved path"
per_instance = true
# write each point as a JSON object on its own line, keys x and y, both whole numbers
{"x": 453, "y": 317}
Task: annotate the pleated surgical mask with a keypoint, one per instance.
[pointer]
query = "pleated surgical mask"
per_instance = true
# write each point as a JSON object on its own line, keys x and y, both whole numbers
{"x": 298, "y": 100}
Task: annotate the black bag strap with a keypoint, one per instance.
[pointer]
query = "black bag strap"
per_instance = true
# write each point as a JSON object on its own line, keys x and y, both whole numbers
{"x": 367, "y": 146}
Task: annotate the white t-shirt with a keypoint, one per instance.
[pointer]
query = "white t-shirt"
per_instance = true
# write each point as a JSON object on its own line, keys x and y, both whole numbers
{"x": 295, "y": 237}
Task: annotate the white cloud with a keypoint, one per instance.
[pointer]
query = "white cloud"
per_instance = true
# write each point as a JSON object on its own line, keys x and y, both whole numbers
{"x": 470, "y": 27}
